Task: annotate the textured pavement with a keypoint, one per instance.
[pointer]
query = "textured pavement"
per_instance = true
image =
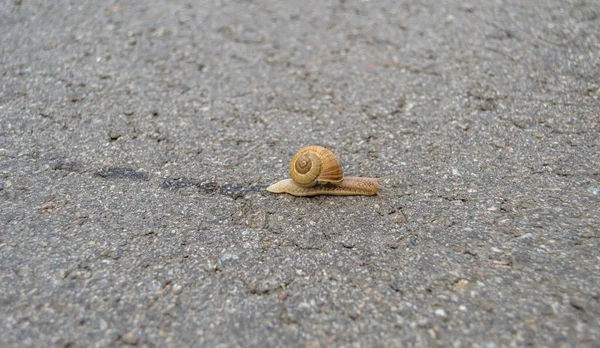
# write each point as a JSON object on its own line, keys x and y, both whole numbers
{"x": 137, "y": 137}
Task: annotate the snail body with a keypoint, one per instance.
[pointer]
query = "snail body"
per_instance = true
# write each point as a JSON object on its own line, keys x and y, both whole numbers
{"x": 315, "y": 170}
{"x": 350, "y": 186}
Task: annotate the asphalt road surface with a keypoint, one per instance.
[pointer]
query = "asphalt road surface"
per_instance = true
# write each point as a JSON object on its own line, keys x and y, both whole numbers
{"x": 137, "y": 138}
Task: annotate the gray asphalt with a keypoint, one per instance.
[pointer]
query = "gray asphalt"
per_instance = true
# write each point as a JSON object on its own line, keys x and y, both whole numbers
{"x": 137, "y": 137}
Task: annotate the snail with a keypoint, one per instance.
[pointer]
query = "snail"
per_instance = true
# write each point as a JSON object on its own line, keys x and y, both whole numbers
{"x": 316, "y": 170}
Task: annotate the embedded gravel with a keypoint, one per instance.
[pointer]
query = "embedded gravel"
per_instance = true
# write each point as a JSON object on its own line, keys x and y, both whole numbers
{"x": 137, "y": 138}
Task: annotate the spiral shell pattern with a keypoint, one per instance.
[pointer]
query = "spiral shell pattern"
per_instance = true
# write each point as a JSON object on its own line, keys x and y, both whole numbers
{"x": 315, "y": 164}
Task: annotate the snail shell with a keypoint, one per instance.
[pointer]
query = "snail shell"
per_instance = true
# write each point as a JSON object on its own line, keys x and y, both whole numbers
{"x": 315, "y": 164}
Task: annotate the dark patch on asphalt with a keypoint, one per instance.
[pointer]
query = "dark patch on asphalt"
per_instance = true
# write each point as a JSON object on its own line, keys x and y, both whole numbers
{"x": 234, "y": 191}
{"x": 68, "y": 166}
{"x": 56, "y": 161}
{"x": 174, "y": 184}
{"x": 122, "y": 173}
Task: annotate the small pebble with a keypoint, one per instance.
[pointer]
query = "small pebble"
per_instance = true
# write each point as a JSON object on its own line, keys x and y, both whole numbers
{"x": 463, "y": 125}
{"x": 594, "y": 190}
{"x": 440, "y": 313}
{"x": 461, "y": 285}
{"x": 155, "y": 286}
{"x": 348, "y": 244}
{"x": 526, "y": 237}
{"x": 229, "y": 256}
{"x": 130, "y": 338}
{"x": 102, "y": 324}
{"x": 177, "y": 289}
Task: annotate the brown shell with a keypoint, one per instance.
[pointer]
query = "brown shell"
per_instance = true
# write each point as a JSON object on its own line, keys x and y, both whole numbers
{"x": 315, "y": 164}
